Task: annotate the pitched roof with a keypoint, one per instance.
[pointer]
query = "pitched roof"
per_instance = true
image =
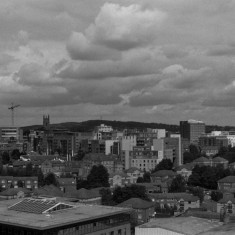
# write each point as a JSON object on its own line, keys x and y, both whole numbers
{"x": 187, "y": 166}
{"x": 202, "y": 159}
{"x": 163, "y": 173}
{"x": 83, "y": 194}
{"x": 38, "y": 206}
{"x": 228, "y": 179}
{"x": 177, "y": 196}
{"x": 49, "y": 190}
{"x": 133, "y": 169}
{"x": 219, "y": 159}
{"x": 122, "y": 174}
{"x": 66, "y": 181}
{"x": 226, "y": 198}
{"x": 136, "y": 203}
{"x": 13, "y": 191}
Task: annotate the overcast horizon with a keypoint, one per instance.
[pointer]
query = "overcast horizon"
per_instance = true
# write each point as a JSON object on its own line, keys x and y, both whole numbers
{"x": 156, "y": 61}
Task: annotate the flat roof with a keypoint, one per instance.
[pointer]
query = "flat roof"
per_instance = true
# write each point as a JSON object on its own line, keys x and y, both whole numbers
{"x": 81, "y": 213}
{"x": 184, "y": 225}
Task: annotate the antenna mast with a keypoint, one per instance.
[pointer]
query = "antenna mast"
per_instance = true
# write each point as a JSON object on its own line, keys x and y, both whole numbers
{"x": 12, "y": 112}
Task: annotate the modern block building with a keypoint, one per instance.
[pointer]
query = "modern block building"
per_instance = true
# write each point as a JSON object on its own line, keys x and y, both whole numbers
{"x": 11, "y": 134}
{"x": 44, "y": 216}
{"x": 192, "y": 130}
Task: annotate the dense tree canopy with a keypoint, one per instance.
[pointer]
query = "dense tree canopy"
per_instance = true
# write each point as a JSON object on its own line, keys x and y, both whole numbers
{"x": 98, "y": 177}
{"x": 145, "y": 178}
{"x": 51, "y": 179}
{"x": 165, "y": 164}
{"x": 207, "y": 176}
{"x": 122, "y": 194}
{"x": 178, "y": 185}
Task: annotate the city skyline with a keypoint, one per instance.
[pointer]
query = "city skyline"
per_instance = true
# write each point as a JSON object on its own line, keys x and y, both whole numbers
{"x": 156, "y": 61}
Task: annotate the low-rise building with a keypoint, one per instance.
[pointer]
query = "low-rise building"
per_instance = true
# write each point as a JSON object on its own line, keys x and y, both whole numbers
{"x": 227, "y": 204}
{"x": 184, "y": 225}
{"x": 67, "y": 184}
{"x": 185, "y": 170}
{"x": 227, "y": 184}
{"x": 183, "y": 201}
{"x": 143, "y": 210}
{"x": 87, "y": 196}
{"x": 51, "y": 216}
{"x": 12, "y": 193}
{"x": 15, "y": 182}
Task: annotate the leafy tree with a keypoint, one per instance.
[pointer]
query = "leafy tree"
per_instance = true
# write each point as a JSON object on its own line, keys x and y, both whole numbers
{"x": 82, "y": 184}
{"x": 20, "y": 184}
{"x": 193, "y": 149}
{"x": 39, "y": 174}
{"x": 51, "y": 179}
{"x": 216, "y": 195}
{"x": 5, "y": 158}
{"x": 122, "y": 194}
{"x": 188, "y": 157}
{"x": 140, "y": 180}
{"x": 29, "y": 169}
{"x": 178, "y": 184}
{"x": 15, "y": 154}
{"x": 107, "y": 198}
{"x": 145, "y": 179}
{"x": 197, "y": 191}
{"x": 194, "y": 179}
{"x": 98, "y": 177}
{"x": 165, "y": 164}
{"x": 79, "y": 156}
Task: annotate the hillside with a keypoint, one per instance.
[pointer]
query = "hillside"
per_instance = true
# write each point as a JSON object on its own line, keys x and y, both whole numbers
{"x": 119, "y": 125}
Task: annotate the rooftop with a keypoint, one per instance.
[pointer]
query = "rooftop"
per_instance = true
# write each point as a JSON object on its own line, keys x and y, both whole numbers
{"x": 78, "y": 213}
{"x": 183, "y": 225}
{"x": 228, "y": 179}
{"x": 136, "y": 203}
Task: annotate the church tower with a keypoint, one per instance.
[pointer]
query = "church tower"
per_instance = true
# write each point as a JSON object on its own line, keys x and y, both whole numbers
{"x": 46, "y": 122}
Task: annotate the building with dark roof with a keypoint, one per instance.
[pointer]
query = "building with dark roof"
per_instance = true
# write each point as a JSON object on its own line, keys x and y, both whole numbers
{"x": 12, "y": 193}
{"x": 185, "y": 170}
{"x": 143, "y": 210}
{"x": 183, "y": 201}
{"x": 26, "y": 182}
{"x": 227, "y": 203}
{"x": 185, "y": 226}
{"x": 43, "y": 216}
{"x": 87, "y": 196}
{"x": 227, "y": 184}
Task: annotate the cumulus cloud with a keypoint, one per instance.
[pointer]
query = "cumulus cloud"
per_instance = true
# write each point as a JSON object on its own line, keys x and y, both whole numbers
{"x": 115, "y": 28}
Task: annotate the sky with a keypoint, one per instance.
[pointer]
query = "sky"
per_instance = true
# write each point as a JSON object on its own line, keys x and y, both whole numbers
{"x": 129, "y": 60}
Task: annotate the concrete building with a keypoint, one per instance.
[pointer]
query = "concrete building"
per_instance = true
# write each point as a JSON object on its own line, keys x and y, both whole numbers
{"x": 44, "y": 216}
{"x": 143, "y": 210}
{"x": 126, "y": 144}
{"x": 184, "y": 226}
{"x": 192, "y": 130}
{"x": 227, "y": 184}
{"x": 26, "y": 182}
{"x": 11, "y": 134}
{"x": 173, "y": 150}
{"x": 210, "y": 145}
{"x": 227, "y": 204}
{"x": 144, "y": 158}
{"x": 182, "y": 201}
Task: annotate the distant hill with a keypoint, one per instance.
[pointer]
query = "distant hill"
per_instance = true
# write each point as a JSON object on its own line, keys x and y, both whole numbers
{"x": 119, "y": 125}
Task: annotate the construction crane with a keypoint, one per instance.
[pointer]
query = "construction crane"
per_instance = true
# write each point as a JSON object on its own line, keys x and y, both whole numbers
{"x": 12, "y": 112}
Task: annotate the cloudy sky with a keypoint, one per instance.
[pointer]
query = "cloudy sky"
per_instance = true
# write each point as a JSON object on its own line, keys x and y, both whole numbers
{"x": 142, "y": 60}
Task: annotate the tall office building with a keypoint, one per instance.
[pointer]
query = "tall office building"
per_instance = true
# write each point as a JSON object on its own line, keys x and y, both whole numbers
{"x": 192, "y": 130}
